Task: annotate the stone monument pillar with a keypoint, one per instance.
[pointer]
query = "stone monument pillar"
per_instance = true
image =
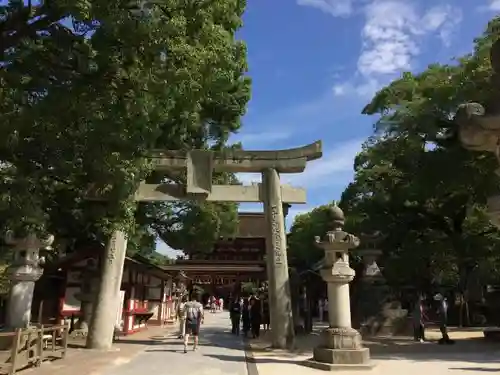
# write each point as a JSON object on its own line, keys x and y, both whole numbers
{"x": 23, "y": 272}
{"x": 341, "y": 345}
{"x": 277, "y": 263}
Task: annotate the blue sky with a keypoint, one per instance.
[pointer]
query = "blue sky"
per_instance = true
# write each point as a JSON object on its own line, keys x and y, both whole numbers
{"x": 316, "y": 63}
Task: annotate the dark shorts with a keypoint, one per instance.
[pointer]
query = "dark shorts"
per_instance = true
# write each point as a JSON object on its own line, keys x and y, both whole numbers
{"x": 192, "y": 328}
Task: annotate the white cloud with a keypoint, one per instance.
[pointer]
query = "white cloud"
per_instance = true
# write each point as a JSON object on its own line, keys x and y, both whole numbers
{"x": 334, "y": 7}
{"x": 329, "y": 170}
{"x": 325, "y": 171}
{"x": 296, "y": 122}
{"x": 494, "y": 5}
{"x": 394, "y": 30}
{"x": 387, "y": 44}
{"x": 365, "y": 89}
{"x": 392, "y": 37}
{"x": 444, "y": 19}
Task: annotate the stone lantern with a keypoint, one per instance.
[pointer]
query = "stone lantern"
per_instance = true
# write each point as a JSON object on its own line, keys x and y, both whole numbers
{"x": 24, "y": 271}
{"x": 369, "y": 255}
{"x": 480, "y": 131}
{"x": 341, "y": 345}
{"x": 377, "y": 309}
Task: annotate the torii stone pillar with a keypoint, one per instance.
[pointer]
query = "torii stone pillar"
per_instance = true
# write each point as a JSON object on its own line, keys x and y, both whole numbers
{"x": 277, "y": 262}
{"x": 23, "y": 272}
{"x": 341, "y": 345}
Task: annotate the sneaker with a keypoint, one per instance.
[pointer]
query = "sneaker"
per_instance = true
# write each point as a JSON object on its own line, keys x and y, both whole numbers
{"x": 185, "y": 350}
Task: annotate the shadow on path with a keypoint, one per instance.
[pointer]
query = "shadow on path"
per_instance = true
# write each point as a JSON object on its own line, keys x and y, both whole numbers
{"x": 477, "y": 369}
{"x": 219, "y": 352}
{"x": 467, "y": 350}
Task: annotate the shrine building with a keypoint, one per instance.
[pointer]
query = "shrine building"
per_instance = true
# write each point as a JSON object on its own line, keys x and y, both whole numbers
{"x": 233, "y": 261}
{"x": 65, "y": 286}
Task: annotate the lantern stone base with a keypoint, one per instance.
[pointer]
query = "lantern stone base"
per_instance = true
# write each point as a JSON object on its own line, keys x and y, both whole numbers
{"x": 341, "y": 349}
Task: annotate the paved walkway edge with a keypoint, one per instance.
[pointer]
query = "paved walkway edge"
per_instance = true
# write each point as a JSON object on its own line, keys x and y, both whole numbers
{"x": 250, "y": 359}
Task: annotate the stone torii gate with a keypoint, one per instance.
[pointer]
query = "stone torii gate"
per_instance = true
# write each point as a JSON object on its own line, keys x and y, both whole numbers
{"x": 200, "y": 165}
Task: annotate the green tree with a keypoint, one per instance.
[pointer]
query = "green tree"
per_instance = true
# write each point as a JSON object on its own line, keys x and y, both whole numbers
{"x": 88, "y": 88}
{"x": 302, "y": 250}
{"x": 81, "y": 107}
{"x": 416, "y": 184}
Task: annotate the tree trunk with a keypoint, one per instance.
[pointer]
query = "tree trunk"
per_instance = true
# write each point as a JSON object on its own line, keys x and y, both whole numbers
{"x": 102, "y": 326}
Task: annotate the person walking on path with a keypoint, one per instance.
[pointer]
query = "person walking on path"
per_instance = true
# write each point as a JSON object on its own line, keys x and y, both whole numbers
{"x": 181, "y": 315}
{"x": 266, "y": 315}
{"x": 194, "y": 318}
{"x": 235, "y": 316}
{"x": 245, "y": 317}
{"x": 418, "y": 320}
{"x": 443, "y": 318}
{"x": 213, "y": 305}
{"x": 255, "y": 317}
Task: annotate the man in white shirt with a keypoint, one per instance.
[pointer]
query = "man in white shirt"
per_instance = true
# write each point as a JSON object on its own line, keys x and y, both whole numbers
{"x": 181, "y": 315}
{"x": 194, "y": 318}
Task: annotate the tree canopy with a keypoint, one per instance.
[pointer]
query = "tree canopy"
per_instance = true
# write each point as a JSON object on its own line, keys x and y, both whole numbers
{"x": 416, "y": 185}
{"x": 301, "y": 246}
{"x": 88, "y": 88}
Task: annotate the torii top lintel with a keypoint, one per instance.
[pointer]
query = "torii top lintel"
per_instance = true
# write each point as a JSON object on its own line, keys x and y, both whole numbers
{"x": 292, "y": 160}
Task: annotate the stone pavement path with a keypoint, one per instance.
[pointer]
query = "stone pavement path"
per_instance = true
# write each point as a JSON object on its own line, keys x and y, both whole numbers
{"x": 219, "y": 353}
{"x": 471, "y": 355}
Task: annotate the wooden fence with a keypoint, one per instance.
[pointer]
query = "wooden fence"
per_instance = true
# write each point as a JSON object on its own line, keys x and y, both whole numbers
{"x": 30, "y": 347}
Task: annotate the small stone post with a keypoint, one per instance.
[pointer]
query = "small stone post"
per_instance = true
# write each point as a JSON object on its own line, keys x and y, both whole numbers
{"x": 23, "y": 272}
{"x": 341, "y": 345}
